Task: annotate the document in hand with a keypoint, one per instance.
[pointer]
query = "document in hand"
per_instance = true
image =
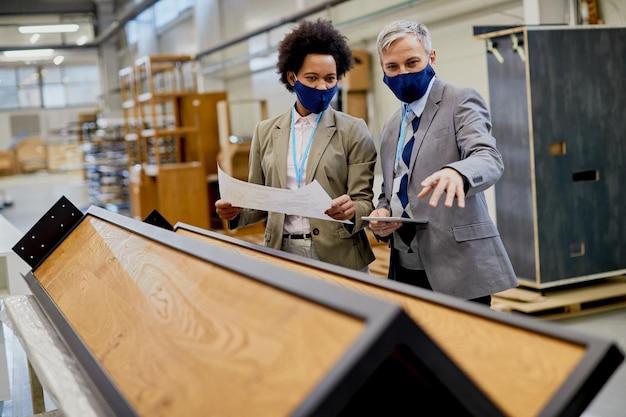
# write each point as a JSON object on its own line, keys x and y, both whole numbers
{"x": 308, "y": 201}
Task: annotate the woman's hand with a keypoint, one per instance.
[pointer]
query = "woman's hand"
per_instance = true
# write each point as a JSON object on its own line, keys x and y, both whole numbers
{"x": 226, "y": 211}
{"x": 341, "y": 208}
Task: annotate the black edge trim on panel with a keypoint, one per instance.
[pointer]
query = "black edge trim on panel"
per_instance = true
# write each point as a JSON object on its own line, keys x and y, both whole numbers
{"x": 156, "y": 219}
{"x": 367, "y": 354}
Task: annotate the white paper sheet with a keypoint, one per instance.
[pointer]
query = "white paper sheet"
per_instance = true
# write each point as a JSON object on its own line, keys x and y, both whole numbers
{"x": 308, "y": 201}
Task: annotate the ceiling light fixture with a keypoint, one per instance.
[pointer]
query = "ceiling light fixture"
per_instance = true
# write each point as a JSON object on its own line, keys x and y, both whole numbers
{"x": 49, "y": 28}
{"x": 58, "y": 59}
{"x": 34, "y": 38}
{"x": 29, "y": 53}
{"x": 82, "y": 40}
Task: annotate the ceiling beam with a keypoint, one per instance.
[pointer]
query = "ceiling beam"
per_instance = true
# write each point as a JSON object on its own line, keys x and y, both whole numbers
{"x": 42, "y": 7}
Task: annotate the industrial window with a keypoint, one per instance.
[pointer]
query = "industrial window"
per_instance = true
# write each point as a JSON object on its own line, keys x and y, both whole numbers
{"x": 49, "y": 86}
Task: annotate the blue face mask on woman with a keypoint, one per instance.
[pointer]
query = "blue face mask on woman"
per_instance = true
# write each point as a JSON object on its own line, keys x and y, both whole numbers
{"x": 412, "y": 86}
{"x": 314, "y": 100}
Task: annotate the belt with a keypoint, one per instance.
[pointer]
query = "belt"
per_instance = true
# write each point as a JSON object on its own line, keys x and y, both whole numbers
{"x": 305, "y": 236}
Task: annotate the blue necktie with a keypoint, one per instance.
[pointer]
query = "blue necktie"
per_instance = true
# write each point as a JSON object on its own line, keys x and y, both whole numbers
{"x": 403, "y": 192}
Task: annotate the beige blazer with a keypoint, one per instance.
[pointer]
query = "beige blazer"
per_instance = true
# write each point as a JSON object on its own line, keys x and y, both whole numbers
{"x": 342, "y": 159}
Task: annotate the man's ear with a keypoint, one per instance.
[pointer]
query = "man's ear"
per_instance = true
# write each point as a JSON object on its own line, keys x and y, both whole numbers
{"x": 433, "y": 58}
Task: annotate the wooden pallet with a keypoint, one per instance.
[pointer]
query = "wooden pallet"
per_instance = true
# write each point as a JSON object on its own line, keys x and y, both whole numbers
{"x": 563, "y": 302}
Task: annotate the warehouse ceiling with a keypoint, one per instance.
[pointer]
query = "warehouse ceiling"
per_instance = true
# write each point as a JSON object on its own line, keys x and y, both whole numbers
{"x": 89, "y": 31}
{"x": 15, "y": 14}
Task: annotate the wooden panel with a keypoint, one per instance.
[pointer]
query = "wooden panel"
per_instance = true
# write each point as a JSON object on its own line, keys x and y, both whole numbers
{"x": 356, "y": 104}
{"x": 167, "y": 325}
{"x": 359, "y": 78}
{"x": 200, "y": 110}
{"x": 182, "y": 193}
{"x": 520, "y": 368}
{"x": 228, "y": 334}
{"x": 143, "y": 194}
{"x": 233, "y": 159}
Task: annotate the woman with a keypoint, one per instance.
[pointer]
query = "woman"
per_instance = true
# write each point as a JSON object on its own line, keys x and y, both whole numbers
{"x": 312, "y": 141}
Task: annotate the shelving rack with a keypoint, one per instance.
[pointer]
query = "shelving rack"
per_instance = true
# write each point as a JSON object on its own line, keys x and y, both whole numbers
{"x": 106, "y": 166}
{"x": 160, "y": 83}
{"x": 166, "y": 171}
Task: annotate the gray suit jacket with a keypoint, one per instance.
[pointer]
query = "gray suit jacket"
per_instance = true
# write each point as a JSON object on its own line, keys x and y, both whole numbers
{"x": 461, "y": 249}
{"x": 342, "y": 159}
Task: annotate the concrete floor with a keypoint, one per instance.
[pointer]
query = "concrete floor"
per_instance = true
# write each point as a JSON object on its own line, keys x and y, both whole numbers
{"x": 35, "y": 193}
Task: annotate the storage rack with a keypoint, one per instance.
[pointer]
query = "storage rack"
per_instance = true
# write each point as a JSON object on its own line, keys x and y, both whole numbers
{"x": 166, "y": 169}
{"x": 106, "y": 166}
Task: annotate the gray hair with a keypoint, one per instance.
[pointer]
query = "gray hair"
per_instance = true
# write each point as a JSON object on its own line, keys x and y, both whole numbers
{"x": 400, "y": 29}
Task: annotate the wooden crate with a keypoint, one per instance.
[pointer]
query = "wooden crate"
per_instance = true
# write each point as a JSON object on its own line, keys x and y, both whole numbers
{"x": 65, "y": 157}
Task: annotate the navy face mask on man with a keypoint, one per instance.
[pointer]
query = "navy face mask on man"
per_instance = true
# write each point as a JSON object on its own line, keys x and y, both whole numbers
{"x": 411, "y": 86}
{"x": 314, "y": 100}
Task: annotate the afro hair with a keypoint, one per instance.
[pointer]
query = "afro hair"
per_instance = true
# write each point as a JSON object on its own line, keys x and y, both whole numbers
{"x": 312, "y": 37}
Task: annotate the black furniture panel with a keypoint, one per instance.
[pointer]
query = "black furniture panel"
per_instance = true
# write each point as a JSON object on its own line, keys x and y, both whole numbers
{"x": 557, "y": 105}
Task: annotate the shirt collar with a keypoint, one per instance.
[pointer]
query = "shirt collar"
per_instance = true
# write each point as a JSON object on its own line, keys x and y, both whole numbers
{"x": 309, "y": 118}
{"x": 417, "y": 107}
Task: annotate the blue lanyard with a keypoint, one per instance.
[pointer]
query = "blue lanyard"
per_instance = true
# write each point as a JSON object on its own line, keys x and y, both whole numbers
{"x": 405, "y": 108}
{"x": 300, "y": 170}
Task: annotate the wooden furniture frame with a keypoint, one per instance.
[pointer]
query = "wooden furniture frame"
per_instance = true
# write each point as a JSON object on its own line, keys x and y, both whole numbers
{"x": 527, "y": 367}
{"x": 209, "y": 332}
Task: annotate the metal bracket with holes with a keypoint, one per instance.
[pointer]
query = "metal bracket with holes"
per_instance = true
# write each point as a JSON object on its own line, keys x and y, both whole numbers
{"x": 48, "y": 232}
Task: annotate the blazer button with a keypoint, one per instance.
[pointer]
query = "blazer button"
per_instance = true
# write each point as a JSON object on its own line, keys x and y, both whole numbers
{"x": 316, "y": 231}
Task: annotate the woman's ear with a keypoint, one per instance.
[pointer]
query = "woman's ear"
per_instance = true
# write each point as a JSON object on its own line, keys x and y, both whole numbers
{"x": 291, "y": 77}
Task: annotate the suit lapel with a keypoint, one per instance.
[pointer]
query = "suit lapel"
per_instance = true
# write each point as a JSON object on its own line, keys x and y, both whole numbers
{"x": 280, "y": 136}
{"x": 389, "y": 149}
{"x": 432, "y": 106}
{"x": 325, "y": 130}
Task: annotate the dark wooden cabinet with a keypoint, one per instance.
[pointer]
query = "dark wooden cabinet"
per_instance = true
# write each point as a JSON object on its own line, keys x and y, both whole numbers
{"x": 558, "y": 106}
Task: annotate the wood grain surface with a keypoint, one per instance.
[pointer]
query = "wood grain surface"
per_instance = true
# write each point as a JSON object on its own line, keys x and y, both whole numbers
{"x": 183, "y": 337}
{"x": 518, "y": 369}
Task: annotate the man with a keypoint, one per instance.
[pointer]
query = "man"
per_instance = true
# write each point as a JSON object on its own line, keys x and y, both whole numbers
{"x": 437, "y": 146}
